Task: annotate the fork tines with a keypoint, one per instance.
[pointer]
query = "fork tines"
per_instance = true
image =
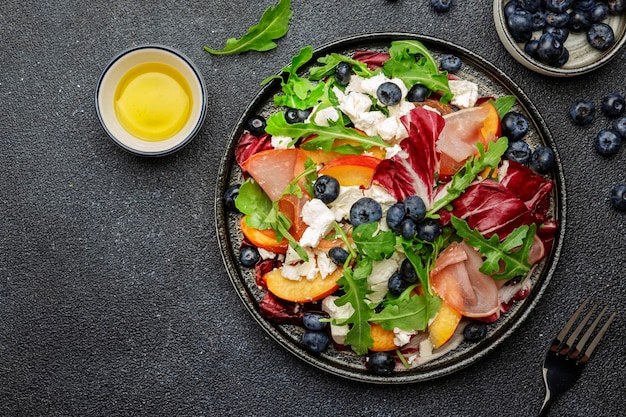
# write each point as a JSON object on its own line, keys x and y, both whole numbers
{"x": 560, "y": 346}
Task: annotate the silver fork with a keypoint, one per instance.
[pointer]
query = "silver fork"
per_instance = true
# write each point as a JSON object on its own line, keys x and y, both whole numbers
{"x": 565, "y": 361}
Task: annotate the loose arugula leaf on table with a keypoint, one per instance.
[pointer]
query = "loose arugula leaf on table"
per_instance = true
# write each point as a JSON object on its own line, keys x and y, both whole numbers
{"x": 323, "y": 137}
{"x": 413, "y": 63}
{"x": 354, "y": 284}
{"x": 473, "y": 167}
{"x": 408, "y": 315}
{"x": 274, "y": 24}
{"x": 512, "y": 252}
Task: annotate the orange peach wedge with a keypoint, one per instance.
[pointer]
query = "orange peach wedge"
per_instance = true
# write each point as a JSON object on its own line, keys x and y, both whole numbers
{"x": 353, "y": 170}
{"x": 302, "y": 291}
{"x": 383, "y": 339}
{"x": 443, "y": 326}
{"x": 264, "y": 239}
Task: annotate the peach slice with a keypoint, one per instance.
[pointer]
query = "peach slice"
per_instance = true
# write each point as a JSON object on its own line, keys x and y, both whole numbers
{"x": 264, "y": 239}
{"x": 443, "y": 326}
{"x": 302, "y": 291}
{"x": 352, "y": 170}
{"x": 383, "y": 339}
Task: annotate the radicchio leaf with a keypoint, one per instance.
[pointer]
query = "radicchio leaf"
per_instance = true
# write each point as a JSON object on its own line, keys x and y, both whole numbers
{"x": 249, "y": 145}
{"x": 531, "y": 188}
{"x": 280, "y": 311}
{"x": 413, "y": 171}
{"x": 374, "y": 60}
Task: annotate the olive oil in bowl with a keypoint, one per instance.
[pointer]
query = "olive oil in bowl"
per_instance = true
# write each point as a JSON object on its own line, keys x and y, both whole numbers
{"x": 153, "y": 101}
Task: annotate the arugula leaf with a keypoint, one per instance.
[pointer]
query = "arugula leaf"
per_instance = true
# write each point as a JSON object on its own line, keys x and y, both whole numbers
{"x": 513, "y": 251}
{"x": 413, "y": 63}
{"x": 411, "y": 314}
{"x": 354, "y": 285}
{"x": 324, "y": 136}
{"x": 254, "y": 203}
{"x": 473, "y": 167}
{"x": 376, "y": 246}
{"x": 504, "y": 104}
{"x": 274, "y": 24}
{"x": 330, "y": 62}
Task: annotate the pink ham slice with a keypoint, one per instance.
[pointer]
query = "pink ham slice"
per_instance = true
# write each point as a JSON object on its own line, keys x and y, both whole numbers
{"x": 456, "y": 279}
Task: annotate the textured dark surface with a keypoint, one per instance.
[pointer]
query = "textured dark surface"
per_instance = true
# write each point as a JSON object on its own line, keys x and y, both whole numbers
{"x": 113, "y": 296}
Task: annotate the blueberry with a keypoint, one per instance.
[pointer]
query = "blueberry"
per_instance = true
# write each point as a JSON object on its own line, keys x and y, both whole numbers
{"x": 599, "y": 12}
{"x": 518, "y": 151}
{"x": 520, "y": 24}
{"x": 475, "y": 331}
{"x": 394, "y": 217}
{"x": 396, "y": 284}
{"x": 311, "y": 321}
{"x": 451, "y": 63}
{"x": 407, "y": 271}
{"x": 585, "y": 5}
{"x": 558, "y": 6}
{"x": 415, "y": 208}
{"x": 613, "y": 105}
{"x": 550, "y": 48}
{"x": 428, "y": 230}
{"x": 616, "y": 7}
{"x": 600, "y": 36}
{"x": 510, "y": 7}
{"x": 608, "y": 142}
{"x": 618, "y": 197}
{"x": 326, "y": 188}
{"x": 230, "y": 195}
{"x": 556, "y": 19}
{"x": 619, "y": 126}
{"x": 338, "y": 255}
{"x": 389, "y": 94}
{"x": 381, "y": 363}
{"x": 579, "y": 20}
{"x": 417, "y": 93}
{"x": 249, "y": 256}
{"x": 514, "y": 126}
{"x": 408, "y": 229}
{"x": 539, "y": 20}
{"x": 441, "y": 6}
{"x": 531, "y": 48}
{"x": 563, "y": 58}
{"x": 296, "y": 115}
{"x": 542, "y": 160}
{"x": 561, "y": 33}
{"x": 582, "y": 112}
{"x": 315, "y": 341}
{"x": 365, "y": 210}
{"x": 256, "y": 125}
{"x": 343, "y": 73}
{"x": 530, "y": 5}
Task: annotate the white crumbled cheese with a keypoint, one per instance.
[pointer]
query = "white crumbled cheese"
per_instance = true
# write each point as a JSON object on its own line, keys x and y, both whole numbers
{"x": 265, "y": 254}
{"x": 353, "y": 104}
{"x": 377, "y": 280}
{"x": 281, "y": 142}
{"x": 425, "y": 107}
{"x": 338, "y": 333}
{"x": 465, "y": 93}
{"x": 295, "y": 272}
{"x": 325, "y": 265}
{"x": 291, "y": 256}
{"x": 369, "y": 122}
{"x": 426, "y": 348}
{"x": 378, "y": 193}
{"x": 394, "y": 150}
{"x": 390, "y": 128}
{"x": 324, "y": 115}
{"x": 320, "y": 219}
{"x": 402, "y": 337}
{"x": 344, "y": 201}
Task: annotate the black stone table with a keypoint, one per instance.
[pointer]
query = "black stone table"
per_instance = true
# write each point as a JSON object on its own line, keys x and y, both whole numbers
{"x": 113, "y": 296}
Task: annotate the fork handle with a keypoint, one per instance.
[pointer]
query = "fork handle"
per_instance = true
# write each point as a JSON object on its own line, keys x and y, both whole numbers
{"x": 546, "y": 405}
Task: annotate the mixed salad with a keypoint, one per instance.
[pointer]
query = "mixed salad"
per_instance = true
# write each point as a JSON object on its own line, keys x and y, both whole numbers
{"x": 388, "y": 207}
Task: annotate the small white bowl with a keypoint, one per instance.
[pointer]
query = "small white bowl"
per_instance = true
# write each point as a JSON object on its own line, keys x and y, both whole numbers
{"x": 163, "y": 57}
{"x": 582, "y": 57}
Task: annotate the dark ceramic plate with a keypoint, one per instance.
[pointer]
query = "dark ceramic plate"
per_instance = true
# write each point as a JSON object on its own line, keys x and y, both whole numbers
{"x": 492, "y": 82}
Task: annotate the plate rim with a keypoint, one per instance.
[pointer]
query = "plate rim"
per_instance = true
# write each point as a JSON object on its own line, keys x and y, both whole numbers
{"x": 414, "y": 375}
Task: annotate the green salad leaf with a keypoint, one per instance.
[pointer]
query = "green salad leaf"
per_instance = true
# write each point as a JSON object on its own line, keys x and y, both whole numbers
{"x": 408, "y": 315}
{"x": 512, "y": 252}
{"x": 274, "y": 24}
{"x": 372, "y": 243}
{"x": 504, "y": 104}
{"x": 323, "y": 137}
{"x": 331, "y": 61}
{"x": 413, "y": 63}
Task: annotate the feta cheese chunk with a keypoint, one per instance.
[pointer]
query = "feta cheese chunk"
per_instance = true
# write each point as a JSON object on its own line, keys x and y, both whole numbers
{"x": 320, "y": 219}
{"x": 402, "y": 337}
{"x": 324, "y": 115}
{"x": 338, "y": 333}
{"x": 377, "y": 281}
{"x": 465, "y": 93}
{"x": 281, "y": 142}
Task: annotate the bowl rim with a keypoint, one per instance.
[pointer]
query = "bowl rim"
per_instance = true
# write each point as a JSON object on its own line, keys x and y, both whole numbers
{"x": 203, "y": 96}
{"x": 511, "y": 46}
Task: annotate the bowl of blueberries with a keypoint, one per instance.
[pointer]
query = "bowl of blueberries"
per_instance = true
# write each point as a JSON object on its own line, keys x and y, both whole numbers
{"x": 561, "y": 38}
